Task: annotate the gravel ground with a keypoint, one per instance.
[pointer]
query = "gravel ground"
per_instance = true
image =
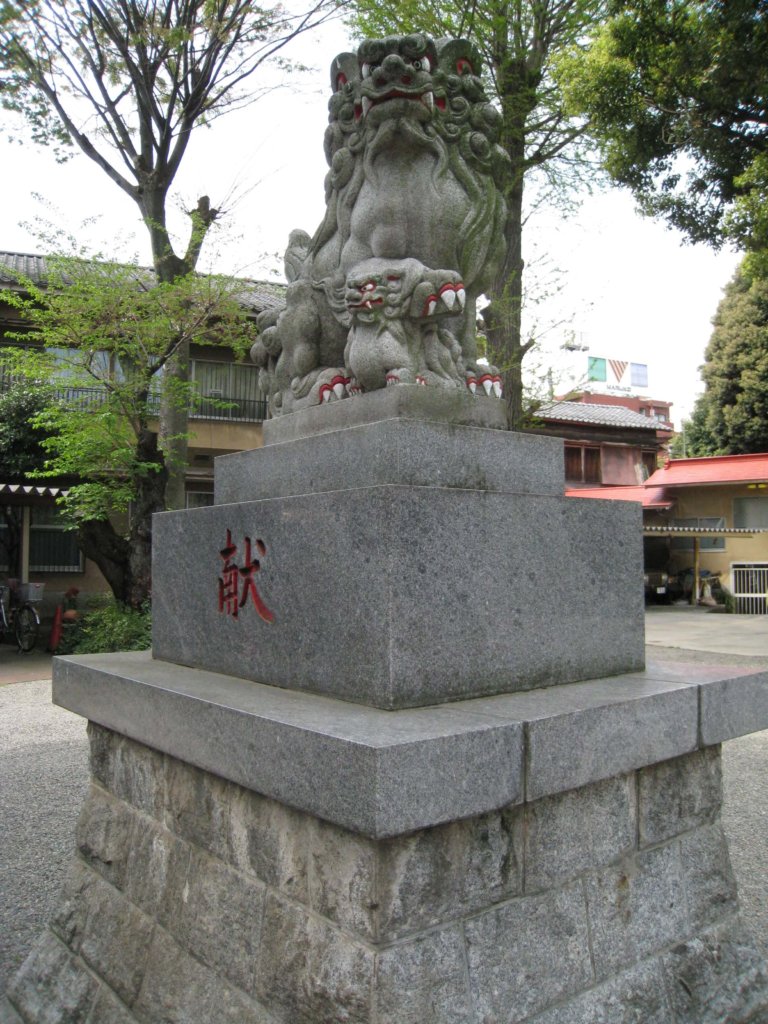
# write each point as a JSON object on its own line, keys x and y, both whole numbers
{"x": 43, "y": 779}
{"x": 44, "y": 774}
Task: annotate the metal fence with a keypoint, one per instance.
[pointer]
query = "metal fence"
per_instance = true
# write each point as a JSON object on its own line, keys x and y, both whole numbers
{"x": 236, "y": 399}
{"x": 749, "y": 582}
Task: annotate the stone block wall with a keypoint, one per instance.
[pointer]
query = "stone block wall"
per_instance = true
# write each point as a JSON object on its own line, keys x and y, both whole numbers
{"x": 194, "y": 901}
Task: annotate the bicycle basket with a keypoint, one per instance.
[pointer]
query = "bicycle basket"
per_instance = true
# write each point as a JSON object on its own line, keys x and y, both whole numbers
{"x": 31, "y": 592}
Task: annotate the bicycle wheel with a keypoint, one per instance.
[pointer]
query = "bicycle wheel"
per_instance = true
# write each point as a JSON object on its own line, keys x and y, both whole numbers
{"x": 27, "y": 627}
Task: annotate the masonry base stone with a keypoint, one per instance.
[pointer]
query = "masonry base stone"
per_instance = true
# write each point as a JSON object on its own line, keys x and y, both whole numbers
{"x": 195, "y": 900}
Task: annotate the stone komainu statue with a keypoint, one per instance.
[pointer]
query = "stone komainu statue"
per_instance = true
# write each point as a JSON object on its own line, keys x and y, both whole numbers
{"x": 386, "y": 290}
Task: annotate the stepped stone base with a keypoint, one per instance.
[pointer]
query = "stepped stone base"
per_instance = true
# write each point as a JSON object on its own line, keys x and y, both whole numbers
{"x": 195, "y": 900}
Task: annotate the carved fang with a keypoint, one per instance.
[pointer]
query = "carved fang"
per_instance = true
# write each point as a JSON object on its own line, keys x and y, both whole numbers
{"x": 497, "y": 388}
{"x": 367, "y": 104}
{"x": 487, "y": 386}
{"x": 472, "y": 385}
{"x": 431, "y": 307}
{"x": 338, "y": 390}
{"x": 428, "y": 99}
{"x": 461, "y": 295}
{"x": 326, "y": 396}
{"x": 449, "y": 297}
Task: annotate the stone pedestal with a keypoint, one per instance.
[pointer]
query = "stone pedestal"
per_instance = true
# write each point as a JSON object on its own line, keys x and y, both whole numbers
{"x": 401, "y": 562}
{"x": 361, "y": 844}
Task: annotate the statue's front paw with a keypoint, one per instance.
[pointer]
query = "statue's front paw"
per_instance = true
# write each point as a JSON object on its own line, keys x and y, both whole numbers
{"x": 402, "y": 375}
{"x": 439, "y": 294}
{"x": 333, "y": 386}
{"x": 485, "y": 378}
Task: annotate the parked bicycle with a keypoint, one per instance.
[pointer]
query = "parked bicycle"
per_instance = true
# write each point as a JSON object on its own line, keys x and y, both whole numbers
{"x": 20, "y": 616}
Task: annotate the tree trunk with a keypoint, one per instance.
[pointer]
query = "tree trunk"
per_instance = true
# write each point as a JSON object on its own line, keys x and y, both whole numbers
{"x": 99, "y": 541}
{"x": 126, "y": 564}
{"x": 150, "y": 498}
{"x": 503, "y": 314}
{"x": 174, "y": 415}
{"x": 174, "y": 423}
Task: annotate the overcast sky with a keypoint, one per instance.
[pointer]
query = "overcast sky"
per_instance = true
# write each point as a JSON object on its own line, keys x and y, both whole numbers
{"x": 624, "y": 287}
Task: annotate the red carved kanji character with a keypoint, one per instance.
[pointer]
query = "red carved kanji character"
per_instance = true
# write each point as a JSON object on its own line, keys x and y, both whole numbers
{"x": 248, "y": 571}
{"x": 231, "y": 599}
{"x": 228, "y": 581}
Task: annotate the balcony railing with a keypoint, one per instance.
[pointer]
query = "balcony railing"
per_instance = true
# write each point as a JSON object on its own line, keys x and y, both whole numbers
{"x": 231, "y": 410}
{"x": 203, "y": 407}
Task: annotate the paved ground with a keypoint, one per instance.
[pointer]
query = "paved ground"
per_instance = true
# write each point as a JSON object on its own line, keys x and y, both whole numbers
{"x": 43, "y": 776}
{"x": 700, "y": 629}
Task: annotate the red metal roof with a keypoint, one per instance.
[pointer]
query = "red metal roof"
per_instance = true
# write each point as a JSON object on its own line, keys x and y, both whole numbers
{"x": 649, "y": 497}
{"x": 713, "y": 469}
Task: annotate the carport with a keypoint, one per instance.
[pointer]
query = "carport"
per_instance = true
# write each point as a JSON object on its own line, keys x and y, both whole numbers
{"x": 697, "y": 533}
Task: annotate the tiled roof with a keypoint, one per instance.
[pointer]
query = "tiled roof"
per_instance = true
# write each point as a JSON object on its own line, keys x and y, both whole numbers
{"x": 714, "y": 469}
{"x": 14, "y": 265}
{"x": 598, "y": 415}
{"x": 258, "y": 295}
{"x": 649, "y": 497}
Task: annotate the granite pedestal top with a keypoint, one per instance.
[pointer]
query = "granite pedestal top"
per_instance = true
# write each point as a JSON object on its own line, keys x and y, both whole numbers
{"x": 384, "y": 773}
{"x": 406, "y": 401}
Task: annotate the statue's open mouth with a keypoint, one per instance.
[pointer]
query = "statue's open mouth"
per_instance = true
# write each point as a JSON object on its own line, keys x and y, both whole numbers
{"x": 427, "y": 99}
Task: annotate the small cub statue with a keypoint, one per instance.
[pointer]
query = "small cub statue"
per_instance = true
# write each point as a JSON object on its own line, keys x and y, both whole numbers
{"x": 385, "y": 292}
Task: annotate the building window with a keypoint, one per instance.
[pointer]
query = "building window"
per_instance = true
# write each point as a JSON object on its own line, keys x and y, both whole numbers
{"x": 582, "y": 465}
{"x": 227, "y": 391}
{"x": 199, "y": 499}
{"x": 649, "y": 464}
{"x": 705, "y": 543}
{"x": 750, "y": 513}
{"x": 52, "y": 546}
{"x": 10, "y": 532}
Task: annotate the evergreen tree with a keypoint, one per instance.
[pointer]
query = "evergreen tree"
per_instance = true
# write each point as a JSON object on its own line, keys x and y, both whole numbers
{"x": 731, "y": 417}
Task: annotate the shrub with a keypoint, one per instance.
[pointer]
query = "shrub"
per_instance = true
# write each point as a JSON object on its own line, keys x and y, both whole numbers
{"x": 111, "y": 627}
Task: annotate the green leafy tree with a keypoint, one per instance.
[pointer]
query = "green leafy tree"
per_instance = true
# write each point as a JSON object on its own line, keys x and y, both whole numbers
{"x": 520, "y": 43}
{"x": 128, "y": 81}
{"x": 731, "y": 416}
{"x": 103, "y": 335}
{"x": 694, "y": 439}
{"x": 21, "y": 442}
{"x": 676, "y": 93}
{"x": 21, "y": 453}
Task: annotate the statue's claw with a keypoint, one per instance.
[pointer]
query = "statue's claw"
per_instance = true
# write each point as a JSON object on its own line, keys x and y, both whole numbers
{"x": 402, "y": 375}
{"x": 442, "y": 292}
{"x": 334, "y": 389}
{"x": 491, "y": 384}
